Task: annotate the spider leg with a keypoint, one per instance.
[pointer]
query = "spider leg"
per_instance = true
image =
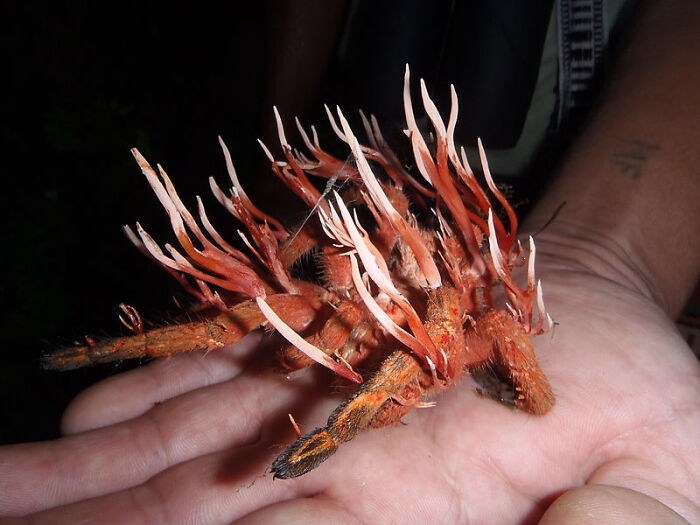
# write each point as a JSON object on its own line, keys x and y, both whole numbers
{"x": 514, "y": 355}
{"x": 348, "y": 332}
{"x": 370, "y": 406}
{"x": 223, "y": 329}
{"x": 401, "y": 376}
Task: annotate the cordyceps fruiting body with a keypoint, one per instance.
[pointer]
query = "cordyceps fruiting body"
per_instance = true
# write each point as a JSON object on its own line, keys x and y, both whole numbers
{"x": 422, "y": 297}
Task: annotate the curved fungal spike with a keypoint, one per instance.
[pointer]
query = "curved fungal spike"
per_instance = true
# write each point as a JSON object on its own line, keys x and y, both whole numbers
{"x": 216, "y": 236}
{"x": 496, "y": 255}
{"x": 252, "y": 248}
{"x": 305, "y": 137}
{"x": 544, "y": 320}
{"x": 161, "y": 193}
{"x": 417, "y": 142}
{"x": 407, "y": 103}
{"x": 177, "y": 275}
{"x": 334, "y": 125}
{"x": 268, "y": 154}
{"x": 433, "y": 113}
{"x": 509, "y": 238}
{"x": 368, "y": 131}
{"x": 465, "y": 162}
{"x": 515, "y": 294}
{"x": 229, "y": 165}
{"x": 182, "y": 210}
{"x": 280, "y": 128}
{"x": 304, "y": 346}
{"x": 531, "y": 266}
{"x": 133, "y": 237}
{"x": 379, "y": 198}
{"x": 377, "y": 269}
{"x": 221, "y": 197}
{"x": 381, "y": 316}
{"x": 280, "y": 232}
{"x": 452, "y": 124}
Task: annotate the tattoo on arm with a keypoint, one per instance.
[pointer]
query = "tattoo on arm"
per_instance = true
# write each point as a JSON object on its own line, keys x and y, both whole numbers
{"x": 629, "y": 157}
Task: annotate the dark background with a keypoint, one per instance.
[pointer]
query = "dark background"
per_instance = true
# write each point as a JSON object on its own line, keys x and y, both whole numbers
{"x": 82, "y": 85}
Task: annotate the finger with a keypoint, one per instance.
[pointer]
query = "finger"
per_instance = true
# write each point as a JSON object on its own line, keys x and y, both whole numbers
{"x": 608, "y": 504}
{"x": 41, "y": 475}
{"x": 301, "y": 511}
{"x": 133, "y": 393}
{"x": 217, "y": 488}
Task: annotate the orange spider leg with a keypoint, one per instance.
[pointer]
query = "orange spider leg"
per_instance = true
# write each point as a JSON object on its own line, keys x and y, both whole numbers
{"x": 399, "y": 372}
{"x": 307, "y": 238}
{"x": 385, "y": 397}
{"x": 223, "y": 329}
{"x": 348, "y": 333}
{"x": 514, "y": 356}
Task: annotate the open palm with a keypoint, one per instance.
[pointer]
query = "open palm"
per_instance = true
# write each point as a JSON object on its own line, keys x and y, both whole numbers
{"x": 189, "y": 439}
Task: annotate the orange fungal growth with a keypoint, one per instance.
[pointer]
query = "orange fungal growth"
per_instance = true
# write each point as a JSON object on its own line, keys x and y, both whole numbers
{"x": 401, "y": 308}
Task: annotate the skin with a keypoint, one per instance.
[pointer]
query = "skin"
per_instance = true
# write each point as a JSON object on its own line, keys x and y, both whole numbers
{"x": 189, "y": 439}
{"x": 623, "y": 418}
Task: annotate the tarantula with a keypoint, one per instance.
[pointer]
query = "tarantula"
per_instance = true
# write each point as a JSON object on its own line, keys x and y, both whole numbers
{"x": 419, "y": 298}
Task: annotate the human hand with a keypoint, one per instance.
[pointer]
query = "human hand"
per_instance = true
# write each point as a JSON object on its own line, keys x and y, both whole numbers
{"x": 190, "y": 438}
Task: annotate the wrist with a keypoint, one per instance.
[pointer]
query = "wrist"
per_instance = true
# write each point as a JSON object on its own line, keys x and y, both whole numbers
{"x": 569, "y": 245}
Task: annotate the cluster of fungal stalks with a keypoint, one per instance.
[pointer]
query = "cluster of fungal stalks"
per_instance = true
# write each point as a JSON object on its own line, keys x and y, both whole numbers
{"x": 409, "y": 306}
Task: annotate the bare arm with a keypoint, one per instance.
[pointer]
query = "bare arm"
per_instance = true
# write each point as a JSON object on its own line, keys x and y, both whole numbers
{"x": 632, "y": 187}
{"x": 632, "y": 182}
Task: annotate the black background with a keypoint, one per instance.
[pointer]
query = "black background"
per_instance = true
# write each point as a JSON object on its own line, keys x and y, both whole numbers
{"x": 83, "y": 83}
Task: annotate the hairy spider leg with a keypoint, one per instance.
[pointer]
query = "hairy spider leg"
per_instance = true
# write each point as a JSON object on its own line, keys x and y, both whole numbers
{"x": 386, "y": 396}
{"x": 225, "y": 328}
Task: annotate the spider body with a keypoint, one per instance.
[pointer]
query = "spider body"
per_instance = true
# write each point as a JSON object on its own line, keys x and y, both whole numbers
{"x": 422, "y": 297}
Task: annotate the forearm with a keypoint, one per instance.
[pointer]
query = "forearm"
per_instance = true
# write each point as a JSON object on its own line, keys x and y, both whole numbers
{"x": 631, "y": 182}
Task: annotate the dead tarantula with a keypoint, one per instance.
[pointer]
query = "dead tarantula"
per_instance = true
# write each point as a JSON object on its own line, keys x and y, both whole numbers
{"x": 421, "y": 298}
